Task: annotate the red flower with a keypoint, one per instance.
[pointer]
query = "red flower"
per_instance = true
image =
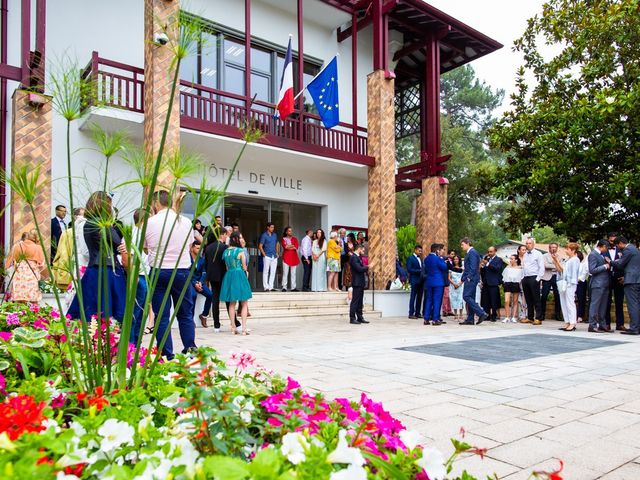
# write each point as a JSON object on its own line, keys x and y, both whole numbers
{"x": 478, "y": 451}
{"x": 21, "y": 414}
{"x": 98, "y": 400}
{"x": 75, "y": 469}
{"x": 554, "y": 475}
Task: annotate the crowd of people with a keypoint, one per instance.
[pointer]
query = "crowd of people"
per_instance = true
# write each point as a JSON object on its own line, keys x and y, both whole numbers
{"x": 584, "y": 289}
{"x": 183, "y": 259}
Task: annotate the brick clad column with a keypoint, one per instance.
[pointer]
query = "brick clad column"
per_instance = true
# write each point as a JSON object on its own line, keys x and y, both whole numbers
{"x": 432, "y": 224}
{"x": 160, "y": 16}
{"x": 31, "y": 144}
{"x": 382, "y": 186}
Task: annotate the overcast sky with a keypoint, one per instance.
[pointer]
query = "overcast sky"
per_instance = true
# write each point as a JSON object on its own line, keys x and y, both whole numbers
{"x": 502, "y": 20}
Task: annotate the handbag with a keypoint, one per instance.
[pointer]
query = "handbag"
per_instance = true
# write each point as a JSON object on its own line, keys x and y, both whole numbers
{"x": 562, "y": 285}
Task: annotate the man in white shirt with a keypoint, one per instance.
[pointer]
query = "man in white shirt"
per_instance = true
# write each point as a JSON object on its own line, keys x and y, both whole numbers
{"x": 305, "y": 255}
{"x": 141, "y": 291}
{"x": 167, "y": 240}
{"x": 533, "y": 271}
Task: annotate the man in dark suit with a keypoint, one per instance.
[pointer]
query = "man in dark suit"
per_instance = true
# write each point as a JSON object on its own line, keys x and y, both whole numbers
{"x": 358, "y": 271}
{"x": 416, "y": 280}
{"x": 470, "y": 279}
{"x": 616, "y": 292}
{"x": 435, "y": 272}
{"x": 599, "y": 269}
{"x": 215, "y": 270}
{"x": 629, "y": 263}
{"x": 492, "y": 267}
{"x": 57, "y": 227}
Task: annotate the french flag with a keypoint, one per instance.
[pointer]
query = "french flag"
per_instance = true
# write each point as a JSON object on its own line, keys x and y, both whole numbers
{"x": 285, "y": 97}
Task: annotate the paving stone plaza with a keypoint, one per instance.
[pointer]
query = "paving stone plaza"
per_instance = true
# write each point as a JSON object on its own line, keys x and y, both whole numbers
{"x": 529, "y": 394}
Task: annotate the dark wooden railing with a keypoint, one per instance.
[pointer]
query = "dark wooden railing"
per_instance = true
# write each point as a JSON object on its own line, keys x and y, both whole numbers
{"x": 216, "y": 111}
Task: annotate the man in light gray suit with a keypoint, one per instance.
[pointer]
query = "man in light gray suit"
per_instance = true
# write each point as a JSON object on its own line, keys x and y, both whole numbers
{"x": 600, "y": 283}
{"x": 630, "y": 264}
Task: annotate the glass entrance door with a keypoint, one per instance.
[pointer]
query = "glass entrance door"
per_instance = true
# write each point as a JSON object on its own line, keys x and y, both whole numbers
{"x": 252, "y": 215}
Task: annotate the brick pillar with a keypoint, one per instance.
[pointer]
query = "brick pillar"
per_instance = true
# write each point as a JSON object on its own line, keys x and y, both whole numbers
{"x": 382, "y": 183}
{"x": 31, "y": 144}
{"x": 432, "y": 224}
{"x": 160, "y": 16}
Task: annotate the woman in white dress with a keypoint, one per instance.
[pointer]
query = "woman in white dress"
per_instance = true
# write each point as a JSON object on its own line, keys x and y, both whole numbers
{"x": 570, "y": 272}
{"x": 319, "y": 263}
{"x": 455, "y": 287}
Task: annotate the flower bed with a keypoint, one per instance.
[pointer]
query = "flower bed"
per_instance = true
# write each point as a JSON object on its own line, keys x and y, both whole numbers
{"x": 194, "y": 417}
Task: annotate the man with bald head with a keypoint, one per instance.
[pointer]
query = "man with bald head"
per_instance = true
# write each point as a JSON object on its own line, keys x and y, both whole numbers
{"x": 533, "y": 271}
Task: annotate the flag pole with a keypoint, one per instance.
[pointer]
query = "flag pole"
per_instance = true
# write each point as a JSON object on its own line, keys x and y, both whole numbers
{"x": 317, "y": 75}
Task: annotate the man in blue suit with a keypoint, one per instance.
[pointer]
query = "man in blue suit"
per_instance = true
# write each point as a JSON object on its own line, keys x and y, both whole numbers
{"x": 470, "y": 278}
{"x": 435, "y": 269}
{"x": 492, "y": 267}
{"x": 414, "y": 267}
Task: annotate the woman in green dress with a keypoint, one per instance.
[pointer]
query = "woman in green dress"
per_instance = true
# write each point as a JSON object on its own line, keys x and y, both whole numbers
{"x": 235, "y": 285}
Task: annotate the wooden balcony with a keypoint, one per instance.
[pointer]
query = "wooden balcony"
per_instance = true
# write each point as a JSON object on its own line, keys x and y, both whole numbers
{"x": 223, "y": 113}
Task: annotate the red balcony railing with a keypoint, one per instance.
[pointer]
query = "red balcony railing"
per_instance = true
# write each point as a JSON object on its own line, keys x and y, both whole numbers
{"x": 216, "y": 111}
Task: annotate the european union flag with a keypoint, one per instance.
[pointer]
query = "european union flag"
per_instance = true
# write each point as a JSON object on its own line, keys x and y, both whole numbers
{"x": 324, "y": 91}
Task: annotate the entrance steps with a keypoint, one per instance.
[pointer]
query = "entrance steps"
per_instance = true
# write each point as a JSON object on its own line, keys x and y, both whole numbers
{"x": 290, "y": 306}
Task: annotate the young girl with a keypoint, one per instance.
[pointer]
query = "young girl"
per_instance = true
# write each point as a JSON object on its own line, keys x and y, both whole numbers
{"x": 511, "y": 277}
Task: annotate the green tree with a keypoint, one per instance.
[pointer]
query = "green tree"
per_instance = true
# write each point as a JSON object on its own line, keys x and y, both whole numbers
{"x": 572, "y": 135}
{"x": 467, "y": 111}
{"x": 468, "y": 105}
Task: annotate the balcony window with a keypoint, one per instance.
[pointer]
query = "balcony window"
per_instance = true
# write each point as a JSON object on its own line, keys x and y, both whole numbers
{"x": 220, "y": 63}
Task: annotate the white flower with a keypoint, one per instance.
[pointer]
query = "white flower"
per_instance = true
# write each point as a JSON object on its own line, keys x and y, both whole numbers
{"x": 50, "y": 424}
{"x": 148, "y": 409}
{"x": 78, "y": 429}
{"x": 344, "y": 453}
{"x": 144, "y": 423}
{"x": 432, "y": 462}
{"x": 172, "y": 400}
{"x": 115, "y": 434}
{"x": 293, "y": 447}
{"x": 64, "y": 476}
{"x": 80, "y": 455}
{"x": 352, "y": 472}
{"x": 410, "y": 438}
{"x": 184, "y": 453}
{"x": 6, "y": 443}
{"x": 245, "y": 416}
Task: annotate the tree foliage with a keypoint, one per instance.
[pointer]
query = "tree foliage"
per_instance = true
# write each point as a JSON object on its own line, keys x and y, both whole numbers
{"x": 573, "y": 132}
{"x": 467, "y": 105}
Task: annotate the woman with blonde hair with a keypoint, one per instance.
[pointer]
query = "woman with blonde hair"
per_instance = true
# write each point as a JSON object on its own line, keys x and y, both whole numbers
{"x": 568, "y": 284}
{"x": 28, "y": 261}
{"x": 333, "y": 261}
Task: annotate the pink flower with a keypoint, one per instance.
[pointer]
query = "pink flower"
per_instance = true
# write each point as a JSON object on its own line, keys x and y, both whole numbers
{"x": 243, "y": 360}
{"x": 58, "y": 402}
{"x": 34, "y": 307}
{"x": 41, "y": 323}
{"x": 54, "y": 313}
{"x": 5, "y": 336}
{"x": 3, "y": 384}
{"x": 291, "y": 384}
{"x": 13, "y": 319}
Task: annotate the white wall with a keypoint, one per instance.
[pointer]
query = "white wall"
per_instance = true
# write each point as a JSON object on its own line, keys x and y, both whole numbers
{"x": 115, "y": 30}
